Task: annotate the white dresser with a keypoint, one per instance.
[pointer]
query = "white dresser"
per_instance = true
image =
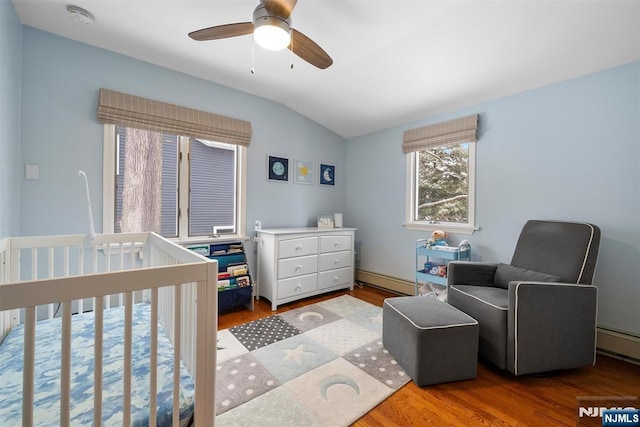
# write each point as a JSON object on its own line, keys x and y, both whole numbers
{"x": 296, "y": 263}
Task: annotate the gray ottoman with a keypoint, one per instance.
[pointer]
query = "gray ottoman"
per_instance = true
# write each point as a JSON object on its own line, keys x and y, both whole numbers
{"x": 433, "y": 341}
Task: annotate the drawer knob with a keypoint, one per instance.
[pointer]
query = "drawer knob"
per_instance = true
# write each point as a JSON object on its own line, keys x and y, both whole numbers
{"x": 336, "y": 244}
{"x": 298, "y": 287}
{"x": 298, "y": 248}
{"x": 335, "y": 278}
{"x": 336, "y": 261}
{"x": 298, "y": 267}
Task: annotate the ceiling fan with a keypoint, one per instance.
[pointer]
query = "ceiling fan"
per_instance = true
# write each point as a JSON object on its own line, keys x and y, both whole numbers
{"x": 271, "y": 28}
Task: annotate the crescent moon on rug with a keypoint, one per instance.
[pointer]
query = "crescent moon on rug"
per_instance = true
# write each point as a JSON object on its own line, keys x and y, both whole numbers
{"x": 310, "y": 313}
{"x": 337, "y": 379}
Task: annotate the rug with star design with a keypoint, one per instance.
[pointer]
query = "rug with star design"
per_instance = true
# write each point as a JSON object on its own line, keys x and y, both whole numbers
{"x": 318, "y": 365}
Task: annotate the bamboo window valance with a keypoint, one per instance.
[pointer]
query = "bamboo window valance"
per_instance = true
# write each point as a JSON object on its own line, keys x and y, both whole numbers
{"x": 134, "y": 111}
{"x": 450, "y": 132}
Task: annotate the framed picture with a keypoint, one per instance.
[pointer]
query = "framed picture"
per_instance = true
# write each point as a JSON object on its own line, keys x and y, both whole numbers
{"x": 277, "y": 168}
{"x": 303, "y": 172}
{"x": 327, "y": 174}
{"x": 325, "y": 221}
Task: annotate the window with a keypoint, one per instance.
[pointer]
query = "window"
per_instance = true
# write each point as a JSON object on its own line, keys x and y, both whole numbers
{"x": 441, "y": 177}
{"x": 181, "y": 187}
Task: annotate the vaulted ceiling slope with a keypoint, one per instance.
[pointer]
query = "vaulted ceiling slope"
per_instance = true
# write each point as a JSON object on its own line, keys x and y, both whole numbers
{"x": 394, "y": 61}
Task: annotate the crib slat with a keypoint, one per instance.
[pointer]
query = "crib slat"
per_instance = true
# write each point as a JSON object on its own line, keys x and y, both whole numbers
{"x": 108, "y": 246}
{"x": 97, "y": 361}
{"x": 65, "y": 365}
{"x": 66, "y": 261}
{"x": 153, "y": 362}
{"x": 80, "y": 271}
{"x": 128, "y": 322}
{"x": 50, "y": 274}
{"x": 121, "y": 250}
{"x": 29, "y": 361}
{"x": 34, "y": 263}
{"x": 133, "y": 254}
{"x": 177, "y": 305}
{"x": 121, "y": 258}
{"x": 95, "y": 259}
{"x": 50, "y": 264}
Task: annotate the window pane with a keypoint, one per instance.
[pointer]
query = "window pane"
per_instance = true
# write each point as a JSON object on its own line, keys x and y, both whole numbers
{"x": 168, "y": 182}
{"x": 212, "y": 197}
{"x": 442, "y": 185}
{"x": 169, "y": 215}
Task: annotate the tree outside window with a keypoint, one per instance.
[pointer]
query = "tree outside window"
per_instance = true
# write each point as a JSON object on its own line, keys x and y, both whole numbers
{"x": 441, "y": 188}
{"x": 443, "y": 184}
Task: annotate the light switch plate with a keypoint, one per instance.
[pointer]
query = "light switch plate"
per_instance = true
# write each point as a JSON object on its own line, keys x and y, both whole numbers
{"x": 31, "y": 171}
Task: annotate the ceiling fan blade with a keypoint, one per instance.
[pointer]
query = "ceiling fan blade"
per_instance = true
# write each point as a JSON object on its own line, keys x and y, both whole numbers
{"x": 222, "y": 31}
{"x": 282, "y": 8}
{"x": 308, "y": 50}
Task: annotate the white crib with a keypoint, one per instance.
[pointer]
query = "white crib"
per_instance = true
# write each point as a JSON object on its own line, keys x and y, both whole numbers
{"x": 66, "y": 276}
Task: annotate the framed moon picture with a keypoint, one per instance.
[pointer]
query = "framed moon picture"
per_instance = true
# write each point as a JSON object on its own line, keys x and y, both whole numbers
{"x": 327, "y": 174}
{"x": 278, "y": 169}
{"x": 303, "y": 172}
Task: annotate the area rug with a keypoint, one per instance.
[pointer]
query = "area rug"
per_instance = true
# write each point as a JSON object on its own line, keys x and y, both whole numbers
{"x": 318, "y": 365}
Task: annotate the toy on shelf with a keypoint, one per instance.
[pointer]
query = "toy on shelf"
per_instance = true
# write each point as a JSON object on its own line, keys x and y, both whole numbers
{"x": 437, "y": 239}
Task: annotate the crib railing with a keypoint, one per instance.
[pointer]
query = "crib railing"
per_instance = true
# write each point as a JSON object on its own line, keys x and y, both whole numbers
{"x": 39, "y": 276}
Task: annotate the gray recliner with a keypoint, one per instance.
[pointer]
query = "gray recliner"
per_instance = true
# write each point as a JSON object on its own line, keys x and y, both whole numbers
{"x": 537, "y": 314}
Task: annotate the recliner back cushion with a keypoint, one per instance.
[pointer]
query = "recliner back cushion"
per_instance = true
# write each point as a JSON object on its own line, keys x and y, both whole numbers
{"x": 565, "y": 249}
{"x": 506, "y": 273}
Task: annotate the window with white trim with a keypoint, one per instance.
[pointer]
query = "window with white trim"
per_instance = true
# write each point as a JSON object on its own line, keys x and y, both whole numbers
{"x": 180, "y": 187}
{"x": 441, "y": 186}
{"x": 440, "y": 177}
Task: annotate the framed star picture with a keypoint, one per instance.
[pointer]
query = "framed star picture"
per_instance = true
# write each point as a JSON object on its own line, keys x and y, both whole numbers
{"x": 327, "y": 174}
{"x": 277, "y": 168}
{"x": 303, "y": 172}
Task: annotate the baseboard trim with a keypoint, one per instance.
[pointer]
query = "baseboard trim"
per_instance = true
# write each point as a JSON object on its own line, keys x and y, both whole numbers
{"x": 618, "y": 343}
{"x": 390, "y": 283}
{"x": 611, "y": 342}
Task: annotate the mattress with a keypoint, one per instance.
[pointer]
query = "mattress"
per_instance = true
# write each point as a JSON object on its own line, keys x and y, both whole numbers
{"x": 47, "y": 372}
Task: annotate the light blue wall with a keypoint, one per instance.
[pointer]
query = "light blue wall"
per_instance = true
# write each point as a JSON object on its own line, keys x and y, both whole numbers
{"x": 60, "y": 133}
{"x": 10, "y": 101}
{"x": 570, "y": 151}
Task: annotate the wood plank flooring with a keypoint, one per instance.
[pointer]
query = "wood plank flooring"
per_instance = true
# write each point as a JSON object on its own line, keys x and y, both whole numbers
{"x": 494, "y": 398}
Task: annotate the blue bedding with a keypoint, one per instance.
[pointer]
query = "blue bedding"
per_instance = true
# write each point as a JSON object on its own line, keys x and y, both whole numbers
{"x": 47, "y": 372}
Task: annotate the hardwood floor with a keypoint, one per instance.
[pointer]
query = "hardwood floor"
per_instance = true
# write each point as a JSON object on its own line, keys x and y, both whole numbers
{"x": 494, "y": 398}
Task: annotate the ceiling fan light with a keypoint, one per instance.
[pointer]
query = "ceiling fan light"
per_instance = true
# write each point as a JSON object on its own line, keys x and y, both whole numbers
{"x": 271, "y": 31}
{"x": 272, "y": 37}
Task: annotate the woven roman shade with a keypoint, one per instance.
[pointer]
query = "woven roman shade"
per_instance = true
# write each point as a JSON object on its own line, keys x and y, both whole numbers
{"x": 446, "y": 133}
{"x": 141, "y": 113}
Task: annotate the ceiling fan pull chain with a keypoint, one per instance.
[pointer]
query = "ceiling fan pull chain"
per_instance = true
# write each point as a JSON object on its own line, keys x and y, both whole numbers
{"x": 253, "y": 45}
{"x": 291, "y": 50}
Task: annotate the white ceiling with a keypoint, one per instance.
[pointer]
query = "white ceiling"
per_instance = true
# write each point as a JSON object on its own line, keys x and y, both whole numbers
{"x": 395, "y": 61}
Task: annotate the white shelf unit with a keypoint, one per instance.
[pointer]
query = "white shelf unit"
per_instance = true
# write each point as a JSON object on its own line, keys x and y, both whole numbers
{"x": 443, "y": 257}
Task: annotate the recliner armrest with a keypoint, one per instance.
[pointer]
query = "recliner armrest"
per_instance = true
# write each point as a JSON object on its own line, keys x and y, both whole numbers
{"x": 471, "y": 273}
{"x": 550, "y": 326}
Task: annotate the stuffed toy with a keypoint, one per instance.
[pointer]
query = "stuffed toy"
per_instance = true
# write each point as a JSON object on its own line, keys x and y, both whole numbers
{"x": 437, "y": 239}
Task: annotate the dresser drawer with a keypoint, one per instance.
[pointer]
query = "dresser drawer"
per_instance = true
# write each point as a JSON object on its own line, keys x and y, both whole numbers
{"x": 297, "y": 286}
{"x": 335, "y": 243}
{"x": 328, "y": 279}
{"x": 297, "y": 266}
{"x": 333, "y": 260}
{"x": 297, "y": 247}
